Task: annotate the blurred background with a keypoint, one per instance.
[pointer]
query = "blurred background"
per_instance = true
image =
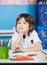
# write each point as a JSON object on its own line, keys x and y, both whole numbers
{"x": 10, "y": 9}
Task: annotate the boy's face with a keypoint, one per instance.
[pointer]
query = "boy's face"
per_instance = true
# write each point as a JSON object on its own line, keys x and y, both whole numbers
{"x": 22, "y": 26}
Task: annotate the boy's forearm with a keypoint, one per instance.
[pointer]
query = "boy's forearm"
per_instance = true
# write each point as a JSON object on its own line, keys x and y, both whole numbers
{"x": 32, "y": 49}
{"x": 17, "y": 42}
{"x": 35, "y": 48}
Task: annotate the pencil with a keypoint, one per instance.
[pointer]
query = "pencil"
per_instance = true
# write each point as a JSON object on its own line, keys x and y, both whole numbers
{"x": 8, "y": 43}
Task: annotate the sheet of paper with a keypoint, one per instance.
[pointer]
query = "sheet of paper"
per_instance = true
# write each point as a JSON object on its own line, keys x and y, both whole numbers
{"x": 11, "y": 54}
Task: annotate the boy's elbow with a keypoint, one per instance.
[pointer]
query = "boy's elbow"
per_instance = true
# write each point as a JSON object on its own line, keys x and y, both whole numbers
{"x": 39, "y": 48}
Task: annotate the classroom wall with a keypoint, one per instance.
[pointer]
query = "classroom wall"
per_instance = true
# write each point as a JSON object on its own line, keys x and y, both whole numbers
{"x": 42, "y": 24}
{"x": 9, "y": 13}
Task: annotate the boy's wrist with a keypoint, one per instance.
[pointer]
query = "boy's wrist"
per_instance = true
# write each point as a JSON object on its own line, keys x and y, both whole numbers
{"x": 20, "y": 35}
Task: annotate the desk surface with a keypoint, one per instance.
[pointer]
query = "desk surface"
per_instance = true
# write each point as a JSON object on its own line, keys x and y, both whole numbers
{"x": 39, "y": 58}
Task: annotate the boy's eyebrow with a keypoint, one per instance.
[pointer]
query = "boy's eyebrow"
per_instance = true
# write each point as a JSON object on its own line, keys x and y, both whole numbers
{"x": 23, "y": 22}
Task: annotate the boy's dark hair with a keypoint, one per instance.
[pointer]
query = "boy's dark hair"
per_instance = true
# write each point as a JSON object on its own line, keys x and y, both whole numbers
{"x": 28, "y": 18}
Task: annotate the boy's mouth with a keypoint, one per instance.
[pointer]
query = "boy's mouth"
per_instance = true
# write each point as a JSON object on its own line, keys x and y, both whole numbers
{"x": 21, "y": 28}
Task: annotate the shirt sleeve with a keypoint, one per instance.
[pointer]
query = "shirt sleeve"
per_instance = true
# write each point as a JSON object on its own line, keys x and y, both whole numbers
{"x": 36, "y": 37}
{"x": 14, "y": 37}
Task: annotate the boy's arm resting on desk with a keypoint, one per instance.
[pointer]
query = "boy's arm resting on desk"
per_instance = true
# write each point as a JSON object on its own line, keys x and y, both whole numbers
{"x": 35, "y": 48}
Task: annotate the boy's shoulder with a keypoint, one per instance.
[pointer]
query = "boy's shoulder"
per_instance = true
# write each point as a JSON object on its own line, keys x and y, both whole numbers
{"x": 34, "y": 32}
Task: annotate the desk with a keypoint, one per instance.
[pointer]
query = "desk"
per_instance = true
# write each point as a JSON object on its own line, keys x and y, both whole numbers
{"x": 40, "y": 58}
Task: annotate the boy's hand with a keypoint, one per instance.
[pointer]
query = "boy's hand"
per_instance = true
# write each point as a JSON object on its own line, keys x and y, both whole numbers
{"x": 19, "y": 48}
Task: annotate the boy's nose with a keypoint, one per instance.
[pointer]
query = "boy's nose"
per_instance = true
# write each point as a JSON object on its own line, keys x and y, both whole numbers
{"x": 21, "y": 25}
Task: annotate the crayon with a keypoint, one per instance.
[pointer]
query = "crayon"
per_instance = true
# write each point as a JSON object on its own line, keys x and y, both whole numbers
{"x": 32, "y": 54}
{"x": 8, "y": 43}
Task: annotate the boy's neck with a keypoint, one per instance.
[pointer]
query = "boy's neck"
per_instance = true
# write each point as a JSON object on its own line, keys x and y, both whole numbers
{"x": 26, "y": 33}
{"x": 24, "y": 36}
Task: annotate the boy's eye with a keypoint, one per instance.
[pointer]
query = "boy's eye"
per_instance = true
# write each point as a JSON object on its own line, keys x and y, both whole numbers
{"x": 24, "y": 23}
{"x": 19, "y": 23}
